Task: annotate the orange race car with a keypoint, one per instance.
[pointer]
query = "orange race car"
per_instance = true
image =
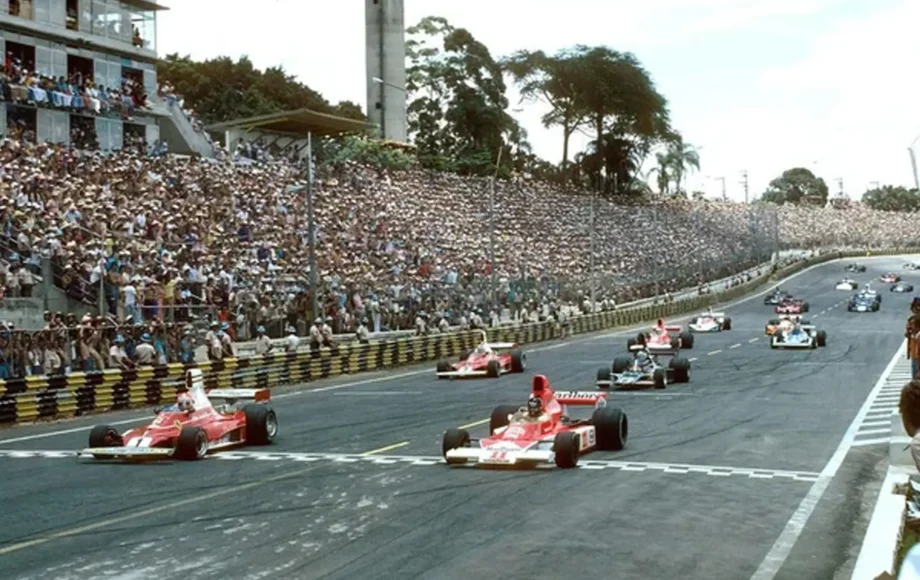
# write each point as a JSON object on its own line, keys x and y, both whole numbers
{"x": 784, "y": 322}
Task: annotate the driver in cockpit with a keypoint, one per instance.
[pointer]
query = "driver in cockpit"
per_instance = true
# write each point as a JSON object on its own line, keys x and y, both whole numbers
{"x": 532, "y": 413}
{"x": 186, "y": 403}
{"x": 482, "y": 349}
{"x": 644, "y": 361}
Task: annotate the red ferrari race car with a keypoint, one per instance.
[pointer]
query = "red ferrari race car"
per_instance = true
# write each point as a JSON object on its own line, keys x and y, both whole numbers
{"x": 890, "y": 278}
{"x": 542, "y": 432}
{"x": 489, "y": 359}
{"x": 661, "y": 341}
{"x": 192, "y": 427}
{"x": 791, "y": 306}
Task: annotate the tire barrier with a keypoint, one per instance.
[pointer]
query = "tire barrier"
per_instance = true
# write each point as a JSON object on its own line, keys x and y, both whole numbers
{"x": 37, "y": 398}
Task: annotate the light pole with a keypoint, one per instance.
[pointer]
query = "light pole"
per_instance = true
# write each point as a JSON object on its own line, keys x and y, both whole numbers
{"x": 913, "y": 162}
{"x": 492, "y": 284}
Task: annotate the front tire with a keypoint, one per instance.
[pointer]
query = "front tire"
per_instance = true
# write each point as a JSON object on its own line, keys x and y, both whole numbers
{"x": 454, "y": 439}
{"x": 105, "y": 436}
{"x": 681, "y": 369}
{"x": 518, "y": 361}
{"x": 660, "y": 379}
{"x": 493, "y": 369}
{"x": 261, "y": 424}
{"x": 686, "y": 340}
{"x": 192, "y": 444}
{"x": 565, "y": 447}
{"x": 611, "y": 427}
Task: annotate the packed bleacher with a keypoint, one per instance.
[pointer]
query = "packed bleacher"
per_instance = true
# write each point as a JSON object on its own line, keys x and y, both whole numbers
{"x": 174, "y": 241}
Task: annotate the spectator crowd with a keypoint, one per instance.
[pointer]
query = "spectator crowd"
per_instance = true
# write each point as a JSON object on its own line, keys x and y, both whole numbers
{"x": 169, "y": 242}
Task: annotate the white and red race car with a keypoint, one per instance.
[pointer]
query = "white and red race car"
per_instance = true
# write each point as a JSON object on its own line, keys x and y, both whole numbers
{"x": 661, "y": 341}
{"x": 520, "y": 437}
{"x": 489, "y": 359}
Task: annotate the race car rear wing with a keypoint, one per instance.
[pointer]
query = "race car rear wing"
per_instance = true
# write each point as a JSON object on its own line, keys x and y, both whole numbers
{"x": 257, "y": 395}
{"x": 579, "y": 397}
{"x": 674, "y": 328}
{"x": 501, "y": 345}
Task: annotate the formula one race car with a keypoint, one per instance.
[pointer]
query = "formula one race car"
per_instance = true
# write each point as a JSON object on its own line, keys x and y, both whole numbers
{"x": 776, "y": 297}
{"x": 791, "y": 306}
{"x": 192, "y": 427}
{"x": 643, "y": 369}
{"x": 855, "y": 268}
{"x": 710, "y": 321}
{"x": 800, "y": 336}
{"x": 901, "y": 287}
{"x": 542, "y": 432}
{"x": 864, "y": 302}
{"x": 489, "y": 359}
{"x": 783, "y": 323}
{"x": 847, "y": 284}
{"x": 911, "y": 266}
{"x": 660, "y": 341}
{"x": 890, "y": 278}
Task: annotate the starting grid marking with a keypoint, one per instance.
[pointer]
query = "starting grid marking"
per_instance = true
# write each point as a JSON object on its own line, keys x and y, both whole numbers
{"x": 424, "y": 461}
{"x": 875, "y": 428}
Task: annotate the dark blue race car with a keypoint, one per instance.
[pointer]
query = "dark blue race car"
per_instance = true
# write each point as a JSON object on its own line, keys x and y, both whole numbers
{"x": 864, "y": 302}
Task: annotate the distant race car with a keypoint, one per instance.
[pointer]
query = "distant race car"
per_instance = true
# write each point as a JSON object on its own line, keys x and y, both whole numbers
{"x": 489, "y": 359}
{"x": 782, "y": 323}
{"x": 776, "y": 297}
{"x": 890, "y": 278}
{"x": 710, "y": 322}
{"x": 847, "y": 284}
{"x": 864, "y": 302}
{"x": 911, "y": 266}
{"x": 800, "y": 336}
{"x": 661, "y": 341}
{"x": 192, "y": 427}
{"x": 855, "y": 268}
{"x": 902, "y": 287}
{"x": 791, "y": 306}
{"x": 542, "y": 432}
{"x": 643, "y": 369}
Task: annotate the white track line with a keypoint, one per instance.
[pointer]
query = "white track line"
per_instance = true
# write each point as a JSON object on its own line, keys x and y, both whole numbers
{"x": 778, "y": 554}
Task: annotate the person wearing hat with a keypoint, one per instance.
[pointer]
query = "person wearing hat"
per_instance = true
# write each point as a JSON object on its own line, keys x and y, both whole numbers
{"x": 316, "y": 335}
{"x": 118, "y": 358}
{"x": 212, "y": 341}
{"x": 327, "y": 334}
{"x": 263, "y": 343}
{"x": 421, "y": 323}
{"x": 226, "y": 341}
{"x": 291, "y": 341}
{"x": 187, "y": 346}
{"x": 145, "y": 354}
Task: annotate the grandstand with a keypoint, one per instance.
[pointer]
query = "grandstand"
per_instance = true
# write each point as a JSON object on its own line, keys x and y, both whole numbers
{"x": 83, "y": 72}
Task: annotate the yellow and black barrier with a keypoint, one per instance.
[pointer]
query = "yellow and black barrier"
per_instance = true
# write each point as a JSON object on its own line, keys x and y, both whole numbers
{"x": 38, "y": 398}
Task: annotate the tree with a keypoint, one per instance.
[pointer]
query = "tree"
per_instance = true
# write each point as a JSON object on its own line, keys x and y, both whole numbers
{"x": 554, "y": 80}
{"x": 892, "y": 198}
{"x": 797, "y": 186}
{"x": 220, "y": 89}
{"x": 681, "y": 158}
{"x": 457, "y": 100}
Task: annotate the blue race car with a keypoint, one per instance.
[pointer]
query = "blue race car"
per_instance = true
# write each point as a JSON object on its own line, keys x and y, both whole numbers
{"x": 799, "y": 336}
{"x": 864, "y": 302}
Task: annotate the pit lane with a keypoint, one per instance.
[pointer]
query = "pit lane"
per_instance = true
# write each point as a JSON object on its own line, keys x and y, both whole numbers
{"x": 688, "y": 507}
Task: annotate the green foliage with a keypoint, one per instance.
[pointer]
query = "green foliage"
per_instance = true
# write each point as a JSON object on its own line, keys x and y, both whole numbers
{"x": 220, "y": 89}
{"x": 457, "y": 106}
{"x": 891, "y": 198}
{"x": 366, "y": 151}
{"x": 674, "y": 163}
{"x": 797, "y": 186}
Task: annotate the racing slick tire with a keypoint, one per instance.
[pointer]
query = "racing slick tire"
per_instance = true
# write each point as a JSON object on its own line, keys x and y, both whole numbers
{"x": 518, "y": 361}
{"x": 726, "y": 323}
{"x": 454, "y": 439}
{"x": 565, "y": 448}
{"x": 805, "y": 307}
{"x": 444, "y": 367}
{"x": 105, "y": 436}
{"x": 621, "y": 363}
{"x": 660, "y": 378}
{"x": 680, "y": 368}
{"x": 261, "y": 424}
{"x": 821, "y": 338}
{"x": 641, "y": 338}
{"x": 604, "y": 378}
{"x": 611, "y": 427}
{"x": 499, "y": 417}
{"x": 493, "y": 369}
{"x": 686, "y": 339}
{"x": 675, "y": 344}
{"x": 192, "y": 444}
{"x": 631, "y": 343}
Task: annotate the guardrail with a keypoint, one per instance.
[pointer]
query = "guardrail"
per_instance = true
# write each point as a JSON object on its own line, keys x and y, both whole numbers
{"x": 32, "y": 399}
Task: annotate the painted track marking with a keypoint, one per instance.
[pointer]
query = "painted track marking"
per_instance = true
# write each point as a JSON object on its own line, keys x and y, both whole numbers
{"x": 387, "y": 448}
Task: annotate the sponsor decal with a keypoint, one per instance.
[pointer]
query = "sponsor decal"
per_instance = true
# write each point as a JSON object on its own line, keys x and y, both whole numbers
{"x": 590, "y": 438}
{"x": 583, "y": 395}
{"x": 514, "y": 431}
{"x": 503, "y": 446}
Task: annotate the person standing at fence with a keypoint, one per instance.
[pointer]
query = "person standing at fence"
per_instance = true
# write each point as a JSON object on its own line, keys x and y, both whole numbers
{"x": 118, "y": 358}
{"x": 226, "y": 341}
{"x": 263, "y": 343}
{"x": 146, "y": 354}
{"x": 212, "y": 342}
{"x": 292, "y": 341}
{"x": 362, "y": 334}
{"x": 187, "y": 347}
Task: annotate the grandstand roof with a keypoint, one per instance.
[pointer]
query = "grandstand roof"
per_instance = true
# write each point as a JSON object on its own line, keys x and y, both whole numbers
{"x": 298, "y": 122}
{"x": 146, "y": 5}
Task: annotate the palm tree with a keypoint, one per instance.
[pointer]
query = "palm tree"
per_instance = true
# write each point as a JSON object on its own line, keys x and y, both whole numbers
{"x": 681, "y": 158}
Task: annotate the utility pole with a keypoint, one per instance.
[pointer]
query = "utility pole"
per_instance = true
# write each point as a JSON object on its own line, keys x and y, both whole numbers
{"x": 744, "y": 182}
{"x": 840, "y": 186}
{"x": 724, "y": 194}
{"x": 492, "y": 282}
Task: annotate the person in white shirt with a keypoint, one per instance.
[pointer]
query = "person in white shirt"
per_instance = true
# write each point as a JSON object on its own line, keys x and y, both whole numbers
{"x": 118, "y": 358}
{"x": 211, "y": 340}
{"x": 130, "y": 295}
{"x": 291, "y": 341}
{"x": 226, "y": 341}
{"x": 362, "y": 333}
{"x": 328, "y": 336}
{"x": 421, "y": 327}
{"x": 443, "y": 325}
{"x": 145, "y": 353}
{"x": 316, "y": 335}
{"x": 263, "y": 343}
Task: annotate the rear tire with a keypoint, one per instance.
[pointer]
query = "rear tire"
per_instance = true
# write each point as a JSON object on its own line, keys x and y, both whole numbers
{"x": 565, "y": 447}
{"x": 686, "y": 340}
{"x": 611, "y": 427}
{"x": 192, "y": 444}
{"x": 105, "y": 436}
{"x": 499, "y": 417}
{"x": 630, "y": 343}
{"x": 261, "y": 424}
{"x": 660, "y": 379}
{"x": 454, "y": 439}
{"x": 604, "y": 378}
{"x": 727, "y": 324}
{"x": 821, "y": 338}
{"x": 681, "y": 369}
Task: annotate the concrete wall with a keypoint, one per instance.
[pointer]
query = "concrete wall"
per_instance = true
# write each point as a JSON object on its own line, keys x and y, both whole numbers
{"x": 24, "y": 313}
{"x": 386, "y": 59}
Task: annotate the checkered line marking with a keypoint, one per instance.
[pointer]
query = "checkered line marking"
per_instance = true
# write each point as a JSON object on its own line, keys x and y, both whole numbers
{"x": 875, "y": 428}
{"x": 589, "y": 464}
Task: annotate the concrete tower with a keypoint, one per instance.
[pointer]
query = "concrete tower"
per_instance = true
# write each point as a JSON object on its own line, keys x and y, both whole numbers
{"x": 385, "y": 45}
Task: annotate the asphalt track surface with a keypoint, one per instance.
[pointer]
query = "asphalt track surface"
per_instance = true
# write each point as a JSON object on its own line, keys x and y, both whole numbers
{"x": 354, "y": 486}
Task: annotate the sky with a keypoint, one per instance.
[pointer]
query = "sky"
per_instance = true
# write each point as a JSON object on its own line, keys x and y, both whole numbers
{"x": 756, "y": 85}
